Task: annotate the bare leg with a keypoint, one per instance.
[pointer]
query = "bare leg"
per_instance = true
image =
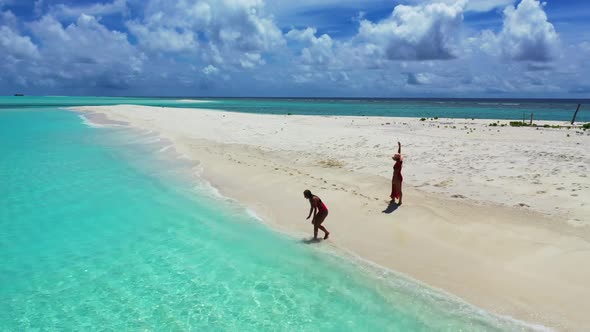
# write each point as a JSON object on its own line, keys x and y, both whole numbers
{"x": 326, "y": 233}
{"x": 396, "y": 190}
{"x": 317, "y": 223}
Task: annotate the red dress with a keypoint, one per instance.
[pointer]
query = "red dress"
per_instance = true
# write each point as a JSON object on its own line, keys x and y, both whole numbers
{"x": 396, "y": 182}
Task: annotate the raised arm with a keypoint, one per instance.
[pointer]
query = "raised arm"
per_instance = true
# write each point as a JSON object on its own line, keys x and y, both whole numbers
{"x": 399, "y": 147}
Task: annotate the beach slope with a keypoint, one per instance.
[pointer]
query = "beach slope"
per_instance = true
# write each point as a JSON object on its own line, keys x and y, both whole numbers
{"x": 495, "y": 215}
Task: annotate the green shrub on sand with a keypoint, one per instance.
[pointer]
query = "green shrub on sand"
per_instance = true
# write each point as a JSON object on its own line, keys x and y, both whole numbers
{"x": 518, "y": 124}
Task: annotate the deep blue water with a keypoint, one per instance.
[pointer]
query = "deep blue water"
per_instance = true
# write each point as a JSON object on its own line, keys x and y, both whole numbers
{"x": 509, "y": 109}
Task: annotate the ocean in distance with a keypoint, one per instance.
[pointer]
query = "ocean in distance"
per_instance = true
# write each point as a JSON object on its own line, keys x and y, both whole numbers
{"x": 104, "y": 229}
{"x": 497, "y": 109}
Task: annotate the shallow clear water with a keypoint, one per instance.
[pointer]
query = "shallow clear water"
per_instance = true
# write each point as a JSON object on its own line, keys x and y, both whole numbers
{"x": 101, "y": 233}
{"x": 507, "y": 109}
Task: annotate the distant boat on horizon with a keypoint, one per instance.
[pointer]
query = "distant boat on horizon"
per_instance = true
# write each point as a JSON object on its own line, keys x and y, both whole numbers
{"x": 19, "y": 95}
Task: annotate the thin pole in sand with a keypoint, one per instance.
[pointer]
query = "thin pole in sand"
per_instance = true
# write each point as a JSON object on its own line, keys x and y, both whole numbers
{"x": 576, "y": 113}
{"x": 531, "y": 119}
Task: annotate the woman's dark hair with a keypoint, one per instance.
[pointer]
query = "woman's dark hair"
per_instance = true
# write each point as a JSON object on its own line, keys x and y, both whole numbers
{"x": 307, "y": 194}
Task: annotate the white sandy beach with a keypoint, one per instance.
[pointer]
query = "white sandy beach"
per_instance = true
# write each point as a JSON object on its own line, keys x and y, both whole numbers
{"x": 498, "y": 216}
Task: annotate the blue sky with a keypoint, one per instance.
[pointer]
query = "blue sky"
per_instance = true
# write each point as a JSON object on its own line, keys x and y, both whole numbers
{"x": 371, "y": 48}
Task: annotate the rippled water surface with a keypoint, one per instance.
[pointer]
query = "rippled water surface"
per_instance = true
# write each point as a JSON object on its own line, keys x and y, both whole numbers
{"x": 100, "y": 232}
{"x": 506, "y": 109}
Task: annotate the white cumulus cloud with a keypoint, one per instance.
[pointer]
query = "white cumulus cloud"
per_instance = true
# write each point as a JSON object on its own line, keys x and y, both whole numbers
{"x": 7, "y": 18}
{"x": 422, "y": 47}
{"x": 163, "y": 38}
{"x": 210, "y": 70}
{"x": 85, "y": 51}
{"x": 417, "y": 78}
{"x": 486, "y": 5}
{"x": 16, "y": 46}
{"x": 96, "y": 9}
{"x": 526, "y": 35}
{"x": 251, "y": 60}
{"x": 229, "y": 31}
{"x": 422, "y": 32}
{"x": 319, "y": 49}
{"x": 472, "y": 5}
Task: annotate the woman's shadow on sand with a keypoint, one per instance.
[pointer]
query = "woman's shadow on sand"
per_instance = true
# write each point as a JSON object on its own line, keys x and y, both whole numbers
{"x": 391, "y": 207}
{"x": 311, "y": 240}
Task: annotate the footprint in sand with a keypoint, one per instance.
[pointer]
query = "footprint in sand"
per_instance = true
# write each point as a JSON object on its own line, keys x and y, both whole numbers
{"x": 458, "y": 196}
{"x": 443, "y": 184}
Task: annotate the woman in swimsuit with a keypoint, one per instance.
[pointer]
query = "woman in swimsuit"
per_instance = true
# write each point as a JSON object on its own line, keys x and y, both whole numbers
{"x": 320, "y": 212}
{"x": 396, "y": 181}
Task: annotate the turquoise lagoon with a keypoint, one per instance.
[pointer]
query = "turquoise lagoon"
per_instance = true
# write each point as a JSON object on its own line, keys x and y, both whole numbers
{"x": 102, "y": 230}
{"x": 501, "y": 109}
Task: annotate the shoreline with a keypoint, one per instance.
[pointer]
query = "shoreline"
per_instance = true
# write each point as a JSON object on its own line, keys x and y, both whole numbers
{"x": 436, "y": 240}
{"x": 458, "y": 166}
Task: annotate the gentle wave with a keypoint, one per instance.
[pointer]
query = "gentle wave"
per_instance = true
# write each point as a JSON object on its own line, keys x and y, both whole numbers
{"x": 196, "y": 101}
{"x": 89, "y": 123}
{"x": 399, "y": 280}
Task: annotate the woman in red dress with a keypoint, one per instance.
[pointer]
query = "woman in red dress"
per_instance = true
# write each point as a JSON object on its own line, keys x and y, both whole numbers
{"x": 396, "y": 181}
{"x": 320, "y": 212}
